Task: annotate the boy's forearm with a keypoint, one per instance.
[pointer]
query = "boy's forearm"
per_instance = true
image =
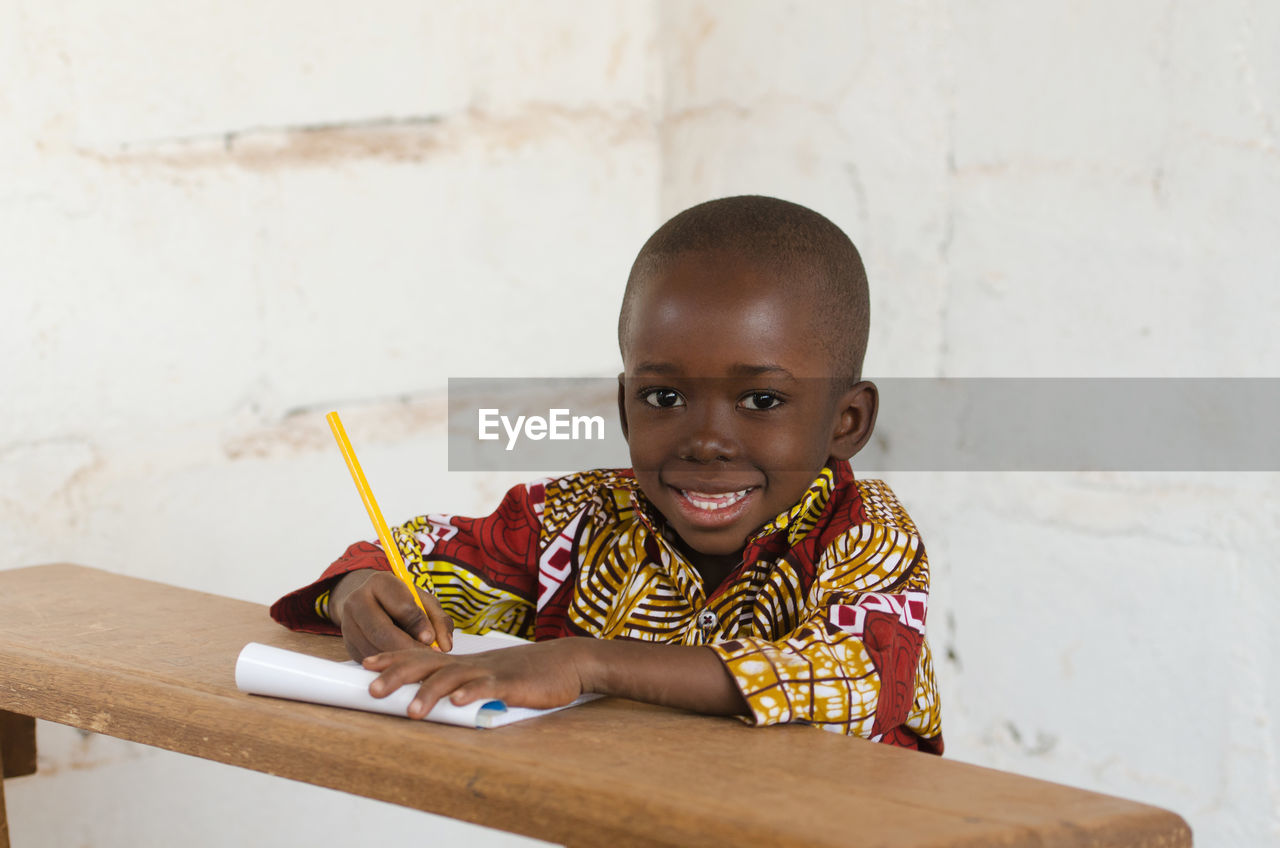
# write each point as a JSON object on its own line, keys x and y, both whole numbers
{"x": 687, "y": 677}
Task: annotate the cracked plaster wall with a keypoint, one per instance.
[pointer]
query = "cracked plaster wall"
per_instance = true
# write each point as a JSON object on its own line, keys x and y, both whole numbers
{"x": 221, "y": 222}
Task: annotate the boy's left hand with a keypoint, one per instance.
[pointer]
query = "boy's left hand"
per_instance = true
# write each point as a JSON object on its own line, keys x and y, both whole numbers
{"x": 542, "y": 675}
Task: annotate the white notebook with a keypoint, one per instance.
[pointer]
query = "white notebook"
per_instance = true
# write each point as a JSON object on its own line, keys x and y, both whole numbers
{"x": 264, "y": 670}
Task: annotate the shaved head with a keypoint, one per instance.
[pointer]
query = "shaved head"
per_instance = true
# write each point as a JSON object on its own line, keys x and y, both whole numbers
{"x": 807, "y": 253}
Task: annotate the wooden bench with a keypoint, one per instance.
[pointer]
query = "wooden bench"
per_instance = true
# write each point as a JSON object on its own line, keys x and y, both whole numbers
{"x": 155, "y": 664}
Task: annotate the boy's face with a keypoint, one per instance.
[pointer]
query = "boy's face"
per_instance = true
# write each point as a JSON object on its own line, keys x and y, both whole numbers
{"x": 729, "y": 401}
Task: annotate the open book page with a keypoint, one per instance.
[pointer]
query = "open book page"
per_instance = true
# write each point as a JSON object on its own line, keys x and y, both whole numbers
{"x": 279, "y": 673}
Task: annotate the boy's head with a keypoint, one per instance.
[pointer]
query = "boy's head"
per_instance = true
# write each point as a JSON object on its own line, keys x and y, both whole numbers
{"x": 742, "y": 331}
{"x": 807, "y": 254}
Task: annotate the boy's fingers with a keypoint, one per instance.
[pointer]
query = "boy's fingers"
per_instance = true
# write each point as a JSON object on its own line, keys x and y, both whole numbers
{"x": 439, "y": 631}
{"x": 474, "y": 690}
{"x": 358, "y": 645}
{"x": 377, "y": 662}
{"x": 438, "y": 685}
{"x": 384, "y": 635}
{"x": 402, "y": 667}
{"x": 441, "y": 627}
{"x": 405, "y": 624}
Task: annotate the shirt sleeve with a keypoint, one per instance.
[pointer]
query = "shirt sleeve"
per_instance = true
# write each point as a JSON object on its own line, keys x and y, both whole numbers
{"x": 858, "y": 662}
{"x": 482, "y": 570}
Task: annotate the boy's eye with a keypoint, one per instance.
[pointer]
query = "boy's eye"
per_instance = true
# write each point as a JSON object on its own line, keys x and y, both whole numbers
{"x": 662, "y": 398}
{"x": 761, "y": 400}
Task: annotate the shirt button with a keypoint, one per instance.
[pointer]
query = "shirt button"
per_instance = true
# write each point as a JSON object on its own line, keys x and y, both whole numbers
{"x": 706, "y": 619}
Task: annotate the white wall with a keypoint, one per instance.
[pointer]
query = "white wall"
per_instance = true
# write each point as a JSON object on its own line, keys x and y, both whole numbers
{"x": 221, "y": 221}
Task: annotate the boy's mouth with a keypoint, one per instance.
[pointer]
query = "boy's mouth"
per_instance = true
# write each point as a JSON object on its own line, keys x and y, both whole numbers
{"x": 714, "y": 500}
{"x": 713, "y": 509}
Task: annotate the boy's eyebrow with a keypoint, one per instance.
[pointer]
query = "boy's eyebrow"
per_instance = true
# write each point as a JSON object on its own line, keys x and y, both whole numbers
{"x": 740, "y": 369}
{"x": 657, "y": 368}
{"x": 747, "y": 370}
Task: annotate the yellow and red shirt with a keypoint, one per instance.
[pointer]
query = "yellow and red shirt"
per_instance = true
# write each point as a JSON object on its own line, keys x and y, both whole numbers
{"x": 822, "y": 622}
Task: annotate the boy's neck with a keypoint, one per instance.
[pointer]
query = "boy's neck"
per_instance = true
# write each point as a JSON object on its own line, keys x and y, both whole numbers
{"x": 712, "y": 568}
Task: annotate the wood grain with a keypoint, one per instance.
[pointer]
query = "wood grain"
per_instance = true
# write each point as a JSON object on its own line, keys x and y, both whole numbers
{"x": 155, "y": 664}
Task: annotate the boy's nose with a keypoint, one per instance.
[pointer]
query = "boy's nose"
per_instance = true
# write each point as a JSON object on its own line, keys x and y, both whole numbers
{"x": 708, "y": 438}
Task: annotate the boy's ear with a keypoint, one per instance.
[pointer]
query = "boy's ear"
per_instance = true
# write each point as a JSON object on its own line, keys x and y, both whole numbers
{"x": 855, "y": 418}
{"x": 622, "y": 405}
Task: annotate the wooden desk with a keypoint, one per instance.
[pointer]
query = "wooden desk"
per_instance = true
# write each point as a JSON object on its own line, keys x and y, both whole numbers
{"x": 155, "y": 664}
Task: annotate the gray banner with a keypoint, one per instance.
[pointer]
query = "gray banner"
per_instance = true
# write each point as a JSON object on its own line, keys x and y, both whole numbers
{"x": 1015, "y": 424}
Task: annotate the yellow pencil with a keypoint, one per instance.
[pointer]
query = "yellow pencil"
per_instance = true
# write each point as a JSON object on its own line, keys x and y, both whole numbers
{"x": 375, "y": 514}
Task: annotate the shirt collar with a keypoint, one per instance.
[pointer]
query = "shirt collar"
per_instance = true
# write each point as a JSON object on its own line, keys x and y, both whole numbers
{"x": 800, "y": 519}
{"x": 795, "y": 522}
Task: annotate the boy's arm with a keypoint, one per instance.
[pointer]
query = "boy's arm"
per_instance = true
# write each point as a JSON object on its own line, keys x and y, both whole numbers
{"x": 481, "y": 571}
{"x": 553, "y": 673}
{"x": 308, "y": 609}
{"x": 858, "y": 662}
{"x": 689, "y": 677}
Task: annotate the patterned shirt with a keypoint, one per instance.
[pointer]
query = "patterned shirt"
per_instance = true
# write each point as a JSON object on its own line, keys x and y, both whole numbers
{"x": 822, "y": 621}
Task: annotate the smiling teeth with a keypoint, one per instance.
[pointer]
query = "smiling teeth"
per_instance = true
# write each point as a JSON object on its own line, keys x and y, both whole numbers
{"x": 703, "y": 500}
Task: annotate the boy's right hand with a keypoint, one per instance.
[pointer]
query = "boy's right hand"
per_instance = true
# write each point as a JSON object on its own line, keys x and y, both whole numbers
{"x": 376, "y": 613}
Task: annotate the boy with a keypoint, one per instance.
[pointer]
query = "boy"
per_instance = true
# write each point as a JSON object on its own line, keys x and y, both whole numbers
{"x": 739, "y": 569}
